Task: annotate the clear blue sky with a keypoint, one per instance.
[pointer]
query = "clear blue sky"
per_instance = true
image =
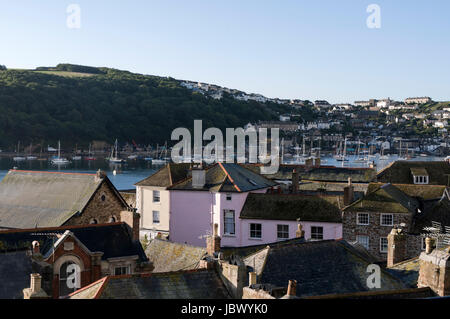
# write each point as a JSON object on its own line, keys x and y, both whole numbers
{"x": 285, "y": 48}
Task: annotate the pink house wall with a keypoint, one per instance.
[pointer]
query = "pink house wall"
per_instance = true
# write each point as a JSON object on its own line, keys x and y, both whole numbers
{"x": 192, "y": 214}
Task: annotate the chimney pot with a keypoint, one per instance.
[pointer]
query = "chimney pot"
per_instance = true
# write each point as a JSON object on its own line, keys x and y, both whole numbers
{"x": 299, "y": 232}
{"x": 36, "y": 248}
{"x": 428, "y": 245}
{"x": 292, "y": 288}
{"x": 252, "y": 278}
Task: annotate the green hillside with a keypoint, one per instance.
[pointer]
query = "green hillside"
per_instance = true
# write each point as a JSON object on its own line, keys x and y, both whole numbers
{"x": 78, "y": 104}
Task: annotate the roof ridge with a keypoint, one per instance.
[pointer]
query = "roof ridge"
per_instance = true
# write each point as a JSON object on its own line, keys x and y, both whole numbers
{"x": 229, "y": 177}
{"x": 51, "y": 172}
{"x": 27, "y": 230}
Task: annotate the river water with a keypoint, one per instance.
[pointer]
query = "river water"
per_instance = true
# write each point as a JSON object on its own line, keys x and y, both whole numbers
{"x": 129, "y": 173}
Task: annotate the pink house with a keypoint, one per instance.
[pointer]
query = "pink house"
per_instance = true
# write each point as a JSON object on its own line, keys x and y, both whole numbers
{"x": 246, "y": 209}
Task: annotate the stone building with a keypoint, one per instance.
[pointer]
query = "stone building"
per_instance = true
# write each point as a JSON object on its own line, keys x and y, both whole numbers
{"x": 32, "y": 199}
{"x": 370, "y": 219}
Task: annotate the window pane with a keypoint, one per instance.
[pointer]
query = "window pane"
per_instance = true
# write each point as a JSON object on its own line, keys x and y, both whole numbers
{"x": 363, "y": 219}
{"x": 156, "y": 197}
{"x": 255, "y": 231}
{"x": 383, "y": 244}
{"x": 363, "y": 240}
{"x": 316, "y": 232}
{"x": 282, "y": 231}
{"x": 229, "y": 225}
{"x": 156, "y": 217}
{"x": 387, "y": 220}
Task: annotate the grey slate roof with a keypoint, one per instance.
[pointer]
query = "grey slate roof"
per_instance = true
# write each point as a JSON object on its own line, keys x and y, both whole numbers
{"x": 30, "y": 199}
{"x": 168, "y": 175}
{"x": 225, "y": 177}
{"x": 320, "y": 268}
{"x": 15, "y": 270}
{"x": 198, "y": 284}
{"x": 114, "y": 239}
{"x": 291, "y": 207}
{"x": 322, "y": 173}
{"x": 168, "y": 256}
{"x": 399, "y": 172}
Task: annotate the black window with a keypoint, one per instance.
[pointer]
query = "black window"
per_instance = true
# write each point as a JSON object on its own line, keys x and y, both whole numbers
{"x": 255, "y": 230}
{"x": 316, "y": 232}
{"x": 282, "y": 231}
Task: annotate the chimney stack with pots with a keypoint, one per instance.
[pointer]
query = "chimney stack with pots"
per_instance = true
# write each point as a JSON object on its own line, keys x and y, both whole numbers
{"x": 299, "y": 233}
{"x": 35, "y": 291}
{"x": 434, "y": 271}
{"x": 349, "y": 195}
{"x": 396, "y": 247}
{"x": 252, "y": 278}
{"x": 131, "y": 218}
{"x": 198, "y": 176}
{"x": 36, "y": 248}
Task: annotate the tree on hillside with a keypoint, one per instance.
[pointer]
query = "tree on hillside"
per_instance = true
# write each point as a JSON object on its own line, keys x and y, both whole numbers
{"x": 2, "y": 67}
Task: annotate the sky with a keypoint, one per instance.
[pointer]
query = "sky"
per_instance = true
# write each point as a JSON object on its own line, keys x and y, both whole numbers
{"x": 322, "y": 49}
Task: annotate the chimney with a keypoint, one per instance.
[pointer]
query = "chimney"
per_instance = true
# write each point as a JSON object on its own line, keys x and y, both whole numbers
{"x": 252, "y": 278}
{"x": 100, "y": 175}
{"x": 396, "y": 247}
{"x": 317, "y": 162}
{"x": 429, "y": 244}
{"x": 349, "y": 195}
{"x": 198, "y": 177}
{"x": 131, "y": 218}
{"x": 36, "y": 248}
{"x": 295, "y": 181}
{"x": 213, "y": 242}
{"x": 35, "y": 291}
{"x": 309, "y": 163}
{"x": 299, "y": 233}
{"x": 292, "y": 288}
{"x": 435, "y": 271}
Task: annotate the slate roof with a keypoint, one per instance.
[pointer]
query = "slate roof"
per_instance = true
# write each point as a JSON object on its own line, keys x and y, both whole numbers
{"x": 30, "y": 199}
{"x": 15, "y": 270}
{"x": 168, "y": 175}
{"x": 225, "y": 177}
{"x": 198, "y": 284}
{"x": 320, "y": 268}
{"x": 439, "y": 211}
{"x": 399, "y": 172}
{"x": 407, "y": 271}
{"x": 168, "y": 256}
{"x": 114, "y": 239}
{"x": 292, "y": 207}
{"x": 322, "y": 173}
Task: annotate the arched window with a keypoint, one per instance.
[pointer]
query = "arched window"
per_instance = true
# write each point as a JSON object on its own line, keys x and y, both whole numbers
{"x": 103, "y": 197}
{"x": 69, "y": 278}
{"x": 112, "y": 219}
{"x": 93, "y": 221}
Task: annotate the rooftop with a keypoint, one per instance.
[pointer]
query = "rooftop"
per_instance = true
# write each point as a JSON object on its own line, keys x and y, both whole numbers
{"x": 399, "y": 172}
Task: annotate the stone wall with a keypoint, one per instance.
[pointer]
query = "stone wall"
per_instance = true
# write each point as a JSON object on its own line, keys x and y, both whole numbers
{"x": 375, "y": 231}
{"x": 104, "y": 207}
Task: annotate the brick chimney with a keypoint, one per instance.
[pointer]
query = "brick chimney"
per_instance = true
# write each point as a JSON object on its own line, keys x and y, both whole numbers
{"x": 317, "y": 162}
{"x": 252, "y": 278}
{"x": 131, "y": 218}
{"x": 292, "y": 288}
{"x": 349, "y": 195}
{"x": 396, "y": 247}
{"x": 429, "y": 245}
{"x": 309, "y": 163}
{"x": 100, "y": 175}
{"x": 213, "y": 242}
{"x": 295, "y": 180}
{"x": 435, "y": 271}
{"x": 198, "y": 176}
{"x": 35, "y": 291}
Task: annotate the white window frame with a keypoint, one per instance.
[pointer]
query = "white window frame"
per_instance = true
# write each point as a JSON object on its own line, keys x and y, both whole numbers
{"x": 423, "y": 244}
{"x": 368, "y": 241}
{"x": 357, "y": 219}
{"x": 381, "y": 245}
{"x": 282, "y": 231}
{"x": 158, "y": 197}
{"x": 250, "y": 231}
{"x": 126, "y": 267}
{"x": 381, "y": 220}
{"x": 317, "y": 232}
{"x": 225, "y": 211}
{"x": 153, "y": 217}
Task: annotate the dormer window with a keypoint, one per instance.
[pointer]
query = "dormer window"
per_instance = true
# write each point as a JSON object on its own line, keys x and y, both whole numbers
{"x": 420, "y": 176}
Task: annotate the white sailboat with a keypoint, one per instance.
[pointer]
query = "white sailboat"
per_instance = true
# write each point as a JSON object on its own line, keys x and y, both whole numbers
{"x": 114, "y": 158}
{"x": 160, "y": 160}
{"x": 60, "y": 160}
{"x": 18, "y": 158}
